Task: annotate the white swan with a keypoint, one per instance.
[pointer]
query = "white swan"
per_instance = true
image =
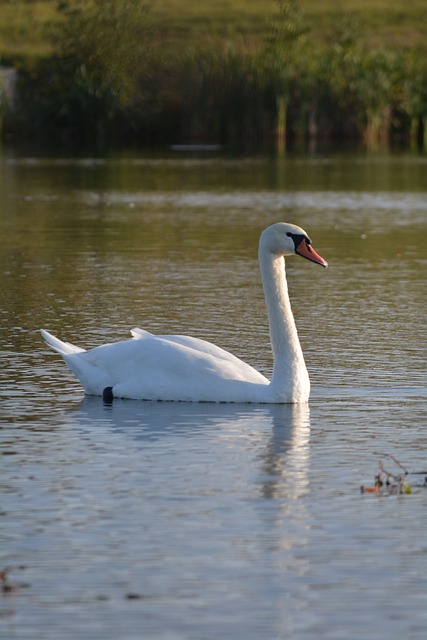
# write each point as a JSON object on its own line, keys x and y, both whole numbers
{"x": 181, "y": 368}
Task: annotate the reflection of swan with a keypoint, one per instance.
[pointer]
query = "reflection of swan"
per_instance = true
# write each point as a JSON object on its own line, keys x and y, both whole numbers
{"x": 277, "y": 434}
{"x": 285, "y": 460}
{"x": 151, "y": 421}
{"x": 150, "y": 367}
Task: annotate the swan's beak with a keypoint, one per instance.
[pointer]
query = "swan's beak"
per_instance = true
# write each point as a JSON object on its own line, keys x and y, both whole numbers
{"x": 306, "y": 251}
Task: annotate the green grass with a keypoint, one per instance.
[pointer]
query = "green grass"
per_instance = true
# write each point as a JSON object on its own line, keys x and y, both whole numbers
{"x": 393, "y": 21}
{"x": 246, "y": 22}
{"x": 243, "y": 24}
{"x": 23, "y": 28}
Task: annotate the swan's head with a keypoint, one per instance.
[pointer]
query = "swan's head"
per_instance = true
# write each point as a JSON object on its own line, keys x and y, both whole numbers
{"x": 287, "y": 239}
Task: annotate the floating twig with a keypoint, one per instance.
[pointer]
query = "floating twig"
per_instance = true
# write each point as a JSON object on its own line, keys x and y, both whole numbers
{"x": 388, "y": 483}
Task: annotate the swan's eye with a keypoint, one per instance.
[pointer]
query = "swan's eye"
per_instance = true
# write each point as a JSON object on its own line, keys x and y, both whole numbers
{"x": 296, "y": 237}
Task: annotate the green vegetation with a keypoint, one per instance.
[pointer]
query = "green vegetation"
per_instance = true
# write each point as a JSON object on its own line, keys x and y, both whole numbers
{"x": 238, "y": 72}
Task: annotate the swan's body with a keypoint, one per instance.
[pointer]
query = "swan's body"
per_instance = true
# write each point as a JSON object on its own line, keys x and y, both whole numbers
{"x": 181, "y": 368}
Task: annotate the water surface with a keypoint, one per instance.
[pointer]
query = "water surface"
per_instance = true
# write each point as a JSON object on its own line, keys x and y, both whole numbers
{"x": 187, "y": 521}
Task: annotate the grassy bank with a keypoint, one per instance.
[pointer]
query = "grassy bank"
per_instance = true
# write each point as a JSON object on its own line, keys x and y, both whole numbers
{"x": 25, "y": 24}
{"x": 233, "y": 71}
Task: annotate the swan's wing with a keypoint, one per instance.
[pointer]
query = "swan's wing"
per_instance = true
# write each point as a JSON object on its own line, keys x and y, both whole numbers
{"x": 139, "y": 334}
{"x": 183, "y": 368}
{"x": 197, "y": 344}
{"x": 161, "y": 368}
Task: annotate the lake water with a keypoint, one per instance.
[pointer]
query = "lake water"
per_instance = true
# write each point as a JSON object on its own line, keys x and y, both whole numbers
{"x": 179, "y": 521}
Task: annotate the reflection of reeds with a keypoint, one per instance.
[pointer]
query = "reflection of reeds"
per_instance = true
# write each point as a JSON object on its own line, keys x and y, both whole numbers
{"x": 293, "y": 87}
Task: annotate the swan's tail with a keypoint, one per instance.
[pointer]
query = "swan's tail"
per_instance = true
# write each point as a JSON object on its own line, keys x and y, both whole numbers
{"x": 64, "y": 348}
{"x": 92, "y": 377}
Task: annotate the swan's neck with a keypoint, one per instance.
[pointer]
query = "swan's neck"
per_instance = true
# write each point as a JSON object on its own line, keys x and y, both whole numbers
{"x": 290, "y": 375}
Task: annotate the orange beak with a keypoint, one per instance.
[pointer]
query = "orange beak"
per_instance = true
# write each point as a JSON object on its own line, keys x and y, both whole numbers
{"x": 306, "y": 251}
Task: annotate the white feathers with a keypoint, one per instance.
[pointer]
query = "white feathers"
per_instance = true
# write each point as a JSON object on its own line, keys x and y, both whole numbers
{"x": 182, "y": 368}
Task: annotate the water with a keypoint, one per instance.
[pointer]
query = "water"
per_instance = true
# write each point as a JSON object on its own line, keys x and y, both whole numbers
{"x": 207, "y": 522}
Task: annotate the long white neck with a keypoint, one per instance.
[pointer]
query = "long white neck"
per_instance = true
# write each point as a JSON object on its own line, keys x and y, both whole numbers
{"x": 290, "y": 377}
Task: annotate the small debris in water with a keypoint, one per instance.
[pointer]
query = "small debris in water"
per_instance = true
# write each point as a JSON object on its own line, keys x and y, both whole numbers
{"x": 387, "y": 483}
{"x": 6, "y": 587}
